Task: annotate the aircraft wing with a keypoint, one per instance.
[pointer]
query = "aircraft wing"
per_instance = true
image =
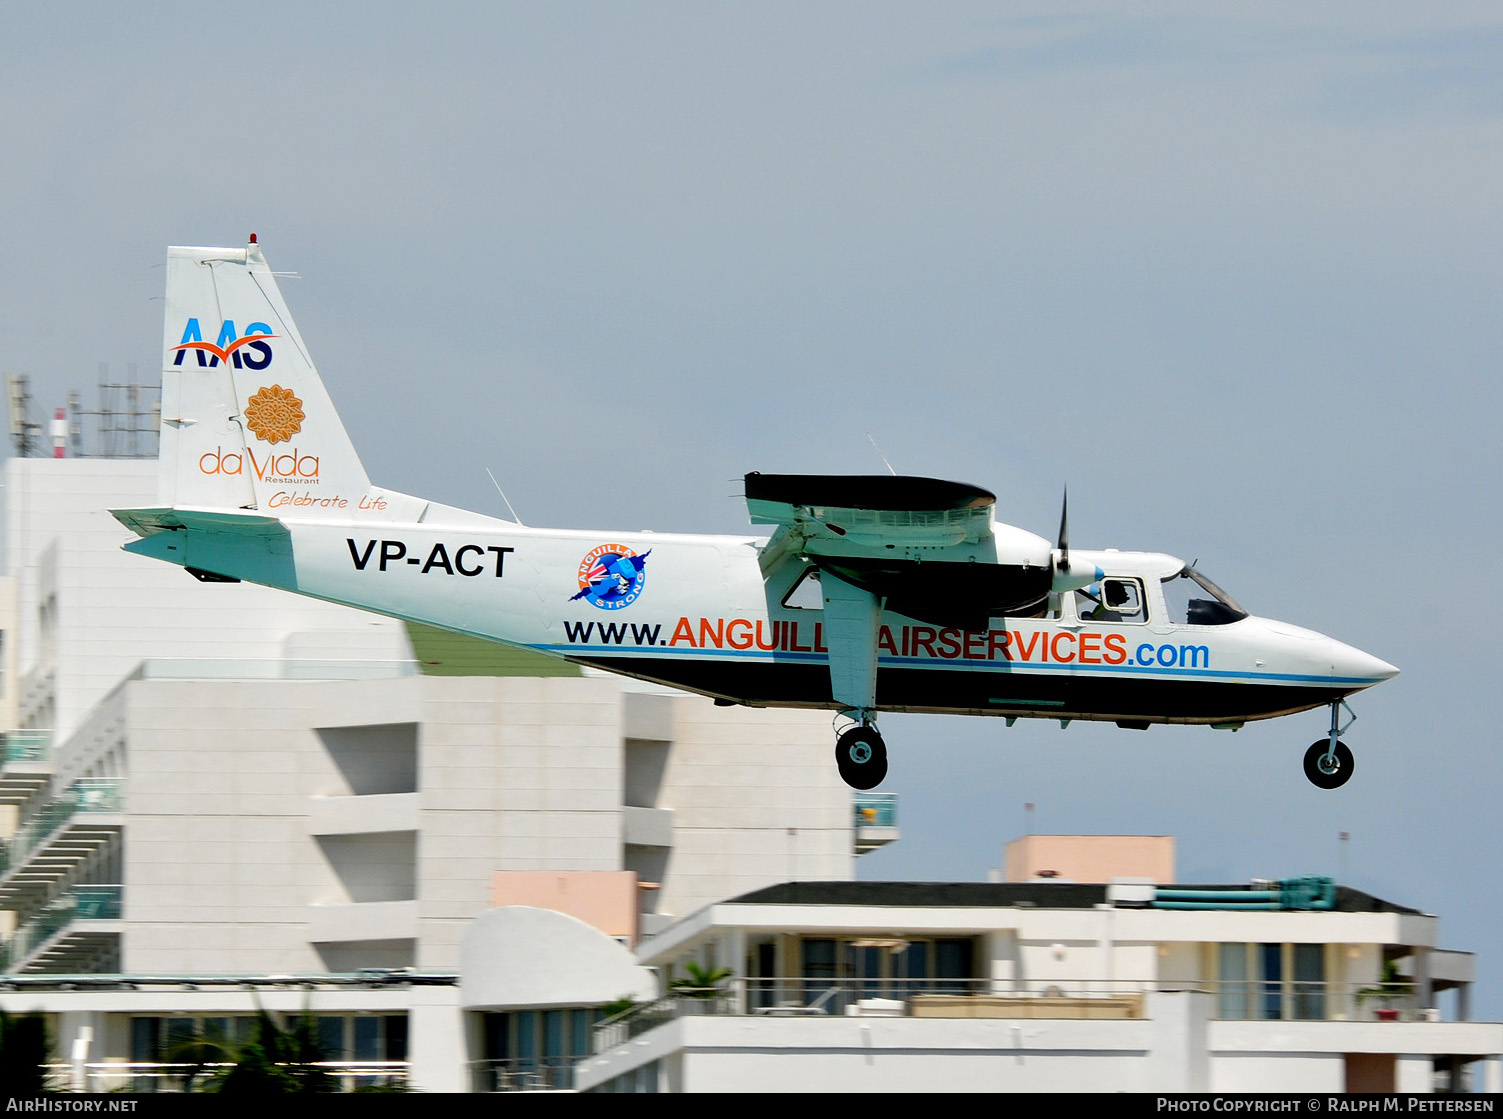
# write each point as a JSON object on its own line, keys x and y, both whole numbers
{"x": 877, "y": 509}
{"x": 923, "y": 547}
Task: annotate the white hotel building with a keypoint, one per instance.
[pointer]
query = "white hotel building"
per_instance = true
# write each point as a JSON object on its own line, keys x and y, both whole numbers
{"x": 219, "y": 798}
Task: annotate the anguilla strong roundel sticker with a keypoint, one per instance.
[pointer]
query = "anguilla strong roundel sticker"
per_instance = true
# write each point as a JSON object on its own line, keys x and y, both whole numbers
{"x": 611, "y": 576}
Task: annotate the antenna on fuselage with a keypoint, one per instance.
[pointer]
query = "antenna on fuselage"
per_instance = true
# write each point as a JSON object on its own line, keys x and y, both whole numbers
{"x": 502, "y": 492}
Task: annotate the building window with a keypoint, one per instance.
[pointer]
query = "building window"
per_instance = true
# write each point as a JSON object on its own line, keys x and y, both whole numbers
{"x": 1271, "y": 982}
{"x": 1231, "y": 976}
{"x": 818, "y": 971}
{"x": 1310, "y": 982}
{"x": 330, "y": 1035}
{"x": 832, "y": 973}
{"x": 761, "y": 970}
{"x": 529, "y": 1050}
{"x": 952, "y": 965}
{"x": 379, "y": 1039}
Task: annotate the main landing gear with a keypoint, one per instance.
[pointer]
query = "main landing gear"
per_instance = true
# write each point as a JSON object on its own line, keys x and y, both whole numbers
{"x": 861, "y": 756}
{"x": 1328, "y": 762}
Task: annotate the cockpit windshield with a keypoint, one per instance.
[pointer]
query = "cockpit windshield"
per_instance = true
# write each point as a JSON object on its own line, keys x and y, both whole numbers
{"x": 1194, "y": 600}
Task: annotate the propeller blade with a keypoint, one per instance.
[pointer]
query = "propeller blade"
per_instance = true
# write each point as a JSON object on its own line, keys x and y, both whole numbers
{"x": 1066, "y": 577}
{"x": 1064, "y": 530}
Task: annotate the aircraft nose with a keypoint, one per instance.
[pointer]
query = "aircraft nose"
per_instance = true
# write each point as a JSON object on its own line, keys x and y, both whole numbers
{"x": 1355, "y": 664}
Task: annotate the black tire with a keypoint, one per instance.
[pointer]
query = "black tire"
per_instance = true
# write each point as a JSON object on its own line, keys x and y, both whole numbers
{"x": 861, "y": 756}
{"x": 1319, "y": 777}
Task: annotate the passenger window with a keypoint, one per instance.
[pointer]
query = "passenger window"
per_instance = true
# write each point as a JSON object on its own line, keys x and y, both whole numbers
{"x": 1111, "y": 600}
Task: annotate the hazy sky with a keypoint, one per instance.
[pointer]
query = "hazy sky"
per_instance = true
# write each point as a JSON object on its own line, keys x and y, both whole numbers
{"x": 1232, "y": 273}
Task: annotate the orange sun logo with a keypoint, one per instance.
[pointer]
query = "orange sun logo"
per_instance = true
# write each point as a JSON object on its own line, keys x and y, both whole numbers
{"x": 274, "y": 414}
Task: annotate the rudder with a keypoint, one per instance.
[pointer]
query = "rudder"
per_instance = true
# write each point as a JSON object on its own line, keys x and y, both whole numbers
{"x": 246, "y": 420}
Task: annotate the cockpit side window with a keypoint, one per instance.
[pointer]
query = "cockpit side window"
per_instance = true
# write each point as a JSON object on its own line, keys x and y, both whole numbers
{"x": 1193, "y": 600}
{"x": 1113, "y": 599}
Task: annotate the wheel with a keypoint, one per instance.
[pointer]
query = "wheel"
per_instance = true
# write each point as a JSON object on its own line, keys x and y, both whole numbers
{"x": 1317, "y": 774}
{"x": 861, "y": 756}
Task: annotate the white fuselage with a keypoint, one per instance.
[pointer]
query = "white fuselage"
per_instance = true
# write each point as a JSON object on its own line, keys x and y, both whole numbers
{"x": 698, "y": 612}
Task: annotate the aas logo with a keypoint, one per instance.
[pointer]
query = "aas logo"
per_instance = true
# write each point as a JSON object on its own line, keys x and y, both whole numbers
{"x": 611, "y": 576}
{"x": 248, "y": 351}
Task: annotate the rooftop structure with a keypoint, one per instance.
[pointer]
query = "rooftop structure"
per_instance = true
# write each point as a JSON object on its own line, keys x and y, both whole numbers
{"x": 1088, "y": 858}
{"x": 1300, "y": 986}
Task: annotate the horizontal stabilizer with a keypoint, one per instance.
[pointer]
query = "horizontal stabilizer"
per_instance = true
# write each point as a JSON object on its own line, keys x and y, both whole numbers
{"x": 149, "y": 522}
{"x": 216, "y": 543}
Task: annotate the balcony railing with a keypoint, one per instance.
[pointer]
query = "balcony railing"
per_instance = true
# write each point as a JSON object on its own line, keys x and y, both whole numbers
{"x": 1044, "y": 998}
{"x": 27, "y": 746}
{"x": 84, "y": 795}
{"x": 523, "y": 1074}
{"x": 1301, "y": 1000}
{"x": 649, "y": 1015}
{"x": 815, "y": 995}
{"x": 876, "y": 810}
{"x": 81, "y": 903}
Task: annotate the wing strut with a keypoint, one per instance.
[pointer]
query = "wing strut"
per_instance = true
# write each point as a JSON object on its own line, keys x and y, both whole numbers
{"x": 850, "y": 627}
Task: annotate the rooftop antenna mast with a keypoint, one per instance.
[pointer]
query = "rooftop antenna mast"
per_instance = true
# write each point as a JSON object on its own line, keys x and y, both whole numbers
{"x": 25, "y": 432}
{"x": 127, "y": 418}
{"x": 75, "y": 426}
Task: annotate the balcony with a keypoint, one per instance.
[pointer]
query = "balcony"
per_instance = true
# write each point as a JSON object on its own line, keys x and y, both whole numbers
{"x": 25, "y": 765}
{"x": 1302, "y": 1001}
{"x": 366, "y": 920}
{"x": 876, "y": 820}
{"x": 523, "y": 1074}
{"x": 66, "y": 934}
{"x": 1084, "y": 999}
{"x": 358, "y": 815}
{"x": 27, "y": 746}
{"x": 55, "y": 841}
{"x": 647, "y": 827}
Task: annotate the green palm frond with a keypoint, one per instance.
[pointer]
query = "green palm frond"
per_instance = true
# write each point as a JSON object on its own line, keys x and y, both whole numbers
{"x": 700, "y": 983}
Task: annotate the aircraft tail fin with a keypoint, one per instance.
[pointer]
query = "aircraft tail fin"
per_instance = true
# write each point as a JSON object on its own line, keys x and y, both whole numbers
{"x": 246, "y": 421}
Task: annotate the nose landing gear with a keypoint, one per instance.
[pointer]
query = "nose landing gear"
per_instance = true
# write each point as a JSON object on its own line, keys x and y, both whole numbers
{"x": 1328, "y": 761}
{"x": 861, "y": 756}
